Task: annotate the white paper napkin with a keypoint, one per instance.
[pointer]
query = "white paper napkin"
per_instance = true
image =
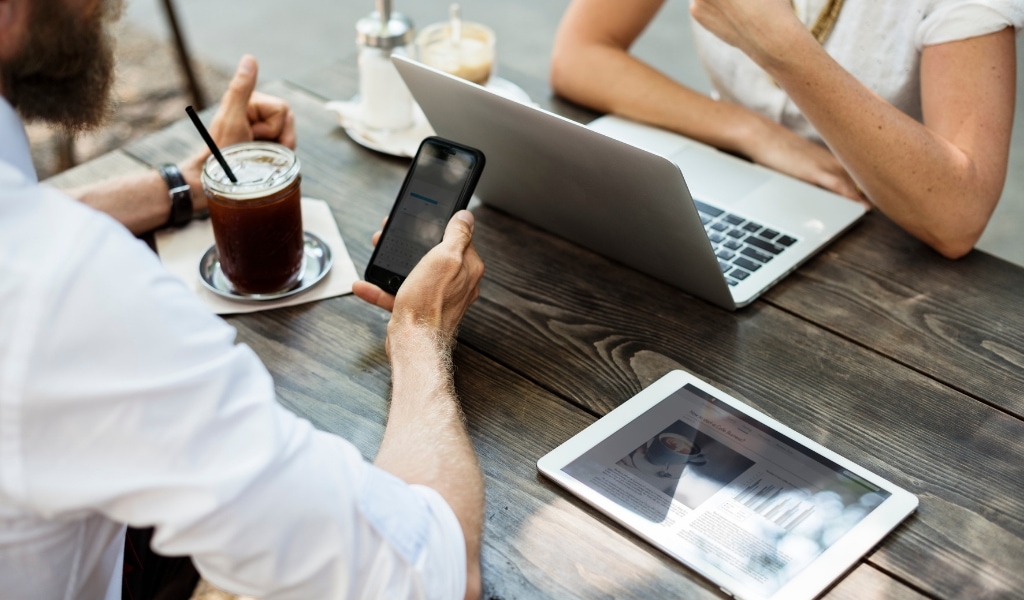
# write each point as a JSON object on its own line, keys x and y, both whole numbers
{"x": 181, "y": 249}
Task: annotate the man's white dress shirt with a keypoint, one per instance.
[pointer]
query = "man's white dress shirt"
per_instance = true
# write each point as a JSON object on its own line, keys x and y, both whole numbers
{"x": 124, "y": 400}
{"x": 878, "y": 41}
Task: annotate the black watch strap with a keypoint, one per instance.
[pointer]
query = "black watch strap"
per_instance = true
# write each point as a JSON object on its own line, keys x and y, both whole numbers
{"x": 180, "y": 193}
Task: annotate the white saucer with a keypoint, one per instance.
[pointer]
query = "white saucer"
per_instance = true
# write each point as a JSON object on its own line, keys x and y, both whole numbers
{"x": 406, "y": 141}
{"x": 504, "y": 87}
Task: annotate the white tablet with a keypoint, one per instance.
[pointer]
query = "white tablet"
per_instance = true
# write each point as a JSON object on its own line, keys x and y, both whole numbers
{"x": 752, "y": 505}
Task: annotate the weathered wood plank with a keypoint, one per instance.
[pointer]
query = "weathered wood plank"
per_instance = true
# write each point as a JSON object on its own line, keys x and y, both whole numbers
{"x": 595, "y": 332}
{"x": 868, "y": 583}
{"x": 539, "y": 542}
{"x": 111, "y": 164}
{"x": 957, "y": 321}
{"x": 173, "y": 143}
{"x": 329, "y": 365}
{"x": 599, "y": 365}
{"x": 601, "y": 334}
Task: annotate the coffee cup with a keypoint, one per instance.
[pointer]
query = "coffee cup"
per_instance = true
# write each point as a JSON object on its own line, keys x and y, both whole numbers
{"x": 257, "y": 220}
{"x": 468, "y": 54}
{"x": 674, "y": 449}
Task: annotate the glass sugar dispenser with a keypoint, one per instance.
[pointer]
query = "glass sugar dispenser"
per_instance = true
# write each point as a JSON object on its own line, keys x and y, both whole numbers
{"x": 385, "y": 103}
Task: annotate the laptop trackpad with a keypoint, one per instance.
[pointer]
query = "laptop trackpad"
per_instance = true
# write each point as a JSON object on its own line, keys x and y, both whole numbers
{"x": 717, "y": 176}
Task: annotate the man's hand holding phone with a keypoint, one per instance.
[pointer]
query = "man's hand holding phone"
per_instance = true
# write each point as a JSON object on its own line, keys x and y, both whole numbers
{"x": 424, "y": 267}
{"x": 439, "y": 289}
{"x": 424, "y": 412}
{"x": 439, "y": 183}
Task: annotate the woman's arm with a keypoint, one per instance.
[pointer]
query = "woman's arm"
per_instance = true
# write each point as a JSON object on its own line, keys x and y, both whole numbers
{"x": 591, "y": 65}
{"x": 940, "y": 179}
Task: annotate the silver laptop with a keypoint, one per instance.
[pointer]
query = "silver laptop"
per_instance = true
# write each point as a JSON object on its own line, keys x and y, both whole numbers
{"x": 725, "y": 233}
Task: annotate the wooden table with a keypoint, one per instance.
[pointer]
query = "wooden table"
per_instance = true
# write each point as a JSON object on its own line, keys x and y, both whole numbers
{"x": 878, "y": 348}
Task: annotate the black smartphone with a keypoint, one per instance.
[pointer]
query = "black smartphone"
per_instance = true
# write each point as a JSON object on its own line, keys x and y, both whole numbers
{"x": 439, "y": 183}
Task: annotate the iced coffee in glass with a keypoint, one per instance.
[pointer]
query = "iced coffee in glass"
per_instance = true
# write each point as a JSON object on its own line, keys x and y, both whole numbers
{"x": 257, "y": 222}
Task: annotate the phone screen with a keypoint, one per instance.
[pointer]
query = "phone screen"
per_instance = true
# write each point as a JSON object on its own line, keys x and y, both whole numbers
{"x": 427, "y": 202}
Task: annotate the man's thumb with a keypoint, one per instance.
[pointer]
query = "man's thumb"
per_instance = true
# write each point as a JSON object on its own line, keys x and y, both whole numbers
{"x": 460, "y": 229}
{"x": 243, "y": 83}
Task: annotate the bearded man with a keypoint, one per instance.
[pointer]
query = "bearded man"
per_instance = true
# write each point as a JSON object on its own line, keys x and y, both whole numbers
{"x": 124, "y": 401}
{"x": 61, "y": 73}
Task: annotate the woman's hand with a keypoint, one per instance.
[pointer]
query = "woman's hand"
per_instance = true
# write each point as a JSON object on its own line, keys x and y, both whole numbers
{"x": 778, "y": 148}
{"x": 754, "y": 26}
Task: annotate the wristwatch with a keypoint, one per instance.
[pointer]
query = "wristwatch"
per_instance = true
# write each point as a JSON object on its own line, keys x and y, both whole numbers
{"x": 180, "y": 194}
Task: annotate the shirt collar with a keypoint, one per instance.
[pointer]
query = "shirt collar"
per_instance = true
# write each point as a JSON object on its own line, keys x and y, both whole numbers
{"x": 15, "y": 150}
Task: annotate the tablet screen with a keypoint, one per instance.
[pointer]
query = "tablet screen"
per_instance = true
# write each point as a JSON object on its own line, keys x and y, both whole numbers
{"x": 728, "y": 491}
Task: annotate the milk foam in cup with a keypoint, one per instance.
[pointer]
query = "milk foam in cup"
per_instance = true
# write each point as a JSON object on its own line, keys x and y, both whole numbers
{"x": 468, "y": 53}
{"x": 673, "y": 449}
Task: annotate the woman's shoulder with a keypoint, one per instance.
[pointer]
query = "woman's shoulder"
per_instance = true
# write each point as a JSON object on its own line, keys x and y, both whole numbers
{"x": 951, "y": 20}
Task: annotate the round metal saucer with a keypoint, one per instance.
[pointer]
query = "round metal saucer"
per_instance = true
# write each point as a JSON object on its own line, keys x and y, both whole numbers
{"x": 317, "y": 261}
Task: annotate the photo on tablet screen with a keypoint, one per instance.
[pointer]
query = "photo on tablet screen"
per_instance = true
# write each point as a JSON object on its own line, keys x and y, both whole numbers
{"x": 685, "y": 464}
{"x": 733, "y": 494}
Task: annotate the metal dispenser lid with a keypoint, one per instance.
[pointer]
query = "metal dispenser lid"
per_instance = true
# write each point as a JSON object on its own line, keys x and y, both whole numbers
{"x": 384, "y": 29}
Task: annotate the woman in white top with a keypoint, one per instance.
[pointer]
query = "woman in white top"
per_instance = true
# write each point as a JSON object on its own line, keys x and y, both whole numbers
{"x": 906, "y": 105}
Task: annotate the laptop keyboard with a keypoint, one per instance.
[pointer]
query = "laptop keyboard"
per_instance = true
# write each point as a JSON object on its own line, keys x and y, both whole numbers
{"x": 742, "y": 246}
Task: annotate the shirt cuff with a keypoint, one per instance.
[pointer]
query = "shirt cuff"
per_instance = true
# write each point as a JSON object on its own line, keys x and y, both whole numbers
{"x": 452, "y": 531}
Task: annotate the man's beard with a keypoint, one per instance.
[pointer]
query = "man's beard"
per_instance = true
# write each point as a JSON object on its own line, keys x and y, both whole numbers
{"x": 65, "y": 70}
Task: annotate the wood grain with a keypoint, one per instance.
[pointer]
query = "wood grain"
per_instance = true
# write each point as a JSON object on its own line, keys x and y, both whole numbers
{"x": 111, "y": 164}
{"x": 839, "y": 351}
{"x": 539, "y": 541}
{"x": 545, "y": 325}
{"x": 957, "y": 321}
{"x": 868, "y": 583}
{"x": 601, "y": 335}
{"x": 328, "y": 363}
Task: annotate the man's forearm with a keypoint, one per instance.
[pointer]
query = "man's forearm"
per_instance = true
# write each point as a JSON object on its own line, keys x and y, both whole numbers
{"x": 141, "y": 201}
{"x": 425, "y": 441}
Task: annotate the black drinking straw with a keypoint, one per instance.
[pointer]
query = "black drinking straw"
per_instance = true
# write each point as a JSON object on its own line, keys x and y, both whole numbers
{"x": 209, "y": 142}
